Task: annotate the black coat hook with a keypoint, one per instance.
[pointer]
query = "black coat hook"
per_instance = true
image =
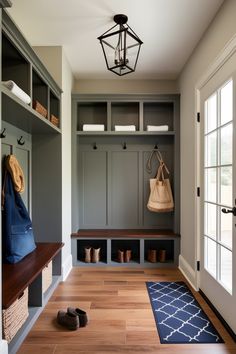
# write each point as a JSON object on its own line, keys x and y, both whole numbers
{"x": 155, "y": 147}
{"x": 94, "y": 146}
{"x": 20, "y": 142}
{"x": 124, "y": 146}
{"x": 2, "y": 135}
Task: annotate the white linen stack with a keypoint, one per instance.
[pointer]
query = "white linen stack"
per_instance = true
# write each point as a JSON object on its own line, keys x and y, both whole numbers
{"x": 157, "y": 128}
{"x": 125, "y": 128}
{"x": 93, "y": 127}
{"x": 17, "y": 91}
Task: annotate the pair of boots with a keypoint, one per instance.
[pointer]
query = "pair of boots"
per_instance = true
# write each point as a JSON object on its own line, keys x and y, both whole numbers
{"x": 124, "y": 256}
{"x": 72, "y": 319}
{"x": 92, "y": 254}
{"x": 153, "y": 257}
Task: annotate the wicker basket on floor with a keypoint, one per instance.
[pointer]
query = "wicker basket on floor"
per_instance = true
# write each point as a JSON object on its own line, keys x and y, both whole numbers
{"x": 40, "y": 108}
{"x": 15, "y": 316}
{"x": 47, "y": 277}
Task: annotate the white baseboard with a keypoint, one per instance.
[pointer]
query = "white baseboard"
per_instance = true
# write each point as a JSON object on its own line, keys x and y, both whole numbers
{"x": 66, "y": 267}
{"x": 3, "y": 346}
{"x": 188, "y": 272}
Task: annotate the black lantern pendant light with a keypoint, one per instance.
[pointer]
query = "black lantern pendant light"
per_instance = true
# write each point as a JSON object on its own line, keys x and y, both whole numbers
{"x": 121, "y": 47}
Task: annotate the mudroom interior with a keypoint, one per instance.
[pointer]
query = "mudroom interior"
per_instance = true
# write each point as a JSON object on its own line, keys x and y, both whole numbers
{"x": 118, "y": 176}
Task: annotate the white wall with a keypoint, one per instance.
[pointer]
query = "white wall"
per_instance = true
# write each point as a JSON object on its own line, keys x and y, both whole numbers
{"x": 221, "y": 30}
{"x": 57, "y": 64}
{"x": 52, "y": 59}
{"x": 125, "y": 85}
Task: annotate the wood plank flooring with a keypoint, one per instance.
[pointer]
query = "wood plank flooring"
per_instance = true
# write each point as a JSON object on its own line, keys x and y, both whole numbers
{"x": 121, "y": 318}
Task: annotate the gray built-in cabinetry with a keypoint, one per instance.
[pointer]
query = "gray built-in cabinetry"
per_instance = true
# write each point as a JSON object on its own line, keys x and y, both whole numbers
{"x": 40, "y": 157}
{"x": 110, "y": 179}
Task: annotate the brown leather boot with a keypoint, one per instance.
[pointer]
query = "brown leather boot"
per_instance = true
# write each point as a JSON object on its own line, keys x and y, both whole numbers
{"x": 152, "y": 256}
{"x": 162, "y": 256}
{"x": 87, "y": 251}
{"x": 96, "y": 255}
{"x": 128, "y": 255}
{"x": 121, "y": 256}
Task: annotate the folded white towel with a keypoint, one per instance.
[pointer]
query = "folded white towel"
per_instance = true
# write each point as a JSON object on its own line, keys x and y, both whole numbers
{"x": 157, "y": 128}
{"x": 125, "y": 128}
{"x": 93, "y": 127}
{"x": 16, "y": 90}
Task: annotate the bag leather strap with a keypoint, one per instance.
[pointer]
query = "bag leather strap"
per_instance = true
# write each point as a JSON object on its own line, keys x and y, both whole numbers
{"x": 149, "y": 161}
{"x": 160, "y": 172}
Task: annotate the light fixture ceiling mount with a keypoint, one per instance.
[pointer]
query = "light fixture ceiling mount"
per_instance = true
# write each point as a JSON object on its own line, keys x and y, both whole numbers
{"x": 121, "y": 46}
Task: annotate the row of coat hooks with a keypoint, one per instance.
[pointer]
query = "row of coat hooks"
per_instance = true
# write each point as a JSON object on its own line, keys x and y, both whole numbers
{"x": 20, "y": 141}
{"x": 95, "y": 146}
{"x": 124, "y": 146}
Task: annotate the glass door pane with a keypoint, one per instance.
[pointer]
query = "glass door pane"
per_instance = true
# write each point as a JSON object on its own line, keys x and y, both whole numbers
{"x": 218, "y": 132}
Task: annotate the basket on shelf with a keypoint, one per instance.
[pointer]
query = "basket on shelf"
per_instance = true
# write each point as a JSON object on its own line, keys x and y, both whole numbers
{"x": 15, "y": 316}
{"x": 47, "y": 277}
{"x": 40, "y": 108}
{"x": 54, "y": 120}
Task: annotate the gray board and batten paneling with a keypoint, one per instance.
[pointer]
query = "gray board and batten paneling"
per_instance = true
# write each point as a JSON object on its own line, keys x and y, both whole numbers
{"x": 114, "y": 184}
{"x": 110, "y": 184}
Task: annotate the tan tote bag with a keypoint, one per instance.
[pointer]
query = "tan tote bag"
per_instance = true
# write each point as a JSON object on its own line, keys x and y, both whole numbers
{"x": 160, "y": 199}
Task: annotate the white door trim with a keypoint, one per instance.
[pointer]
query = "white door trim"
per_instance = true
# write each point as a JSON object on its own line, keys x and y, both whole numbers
{"x": 226, "y": 53}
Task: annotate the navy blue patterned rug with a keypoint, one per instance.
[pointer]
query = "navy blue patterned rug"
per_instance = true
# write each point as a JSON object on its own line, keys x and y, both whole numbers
{"x": 179, "y": 317}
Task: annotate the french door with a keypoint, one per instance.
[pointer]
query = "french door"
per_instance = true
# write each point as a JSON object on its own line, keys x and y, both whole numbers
{"x": 218, "y": 197}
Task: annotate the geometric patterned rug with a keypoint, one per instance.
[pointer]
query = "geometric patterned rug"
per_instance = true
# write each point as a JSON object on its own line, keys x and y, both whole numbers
{"x": 179, "y": 317}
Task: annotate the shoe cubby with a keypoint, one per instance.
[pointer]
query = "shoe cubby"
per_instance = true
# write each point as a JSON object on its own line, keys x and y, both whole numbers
{"x": 93, "y": 244}
{"x": 137, "y": 240}
{"x": 91, "y": 113}
{"x": 124, "y": 113}
{"x": 158, "y": 113}
{"x": 14, "y": 65}
{"x": 124, "y": 245}
{"x": 163, "y": 251}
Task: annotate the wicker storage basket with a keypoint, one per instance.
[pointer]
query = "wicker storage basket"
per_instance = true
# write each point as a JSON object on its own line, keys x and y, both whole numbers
{"x": 54, "y": 120}
{"x": 40, "y": 108}
{"x": 47, "y": 277}
{"x": 15, "y": 316}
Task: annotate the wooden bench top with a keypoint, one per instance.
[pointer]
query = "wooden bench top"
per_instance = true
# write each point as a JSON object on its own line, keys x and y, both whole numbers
{"x": 131, "y": 233}
{"x": 16, "y": 277}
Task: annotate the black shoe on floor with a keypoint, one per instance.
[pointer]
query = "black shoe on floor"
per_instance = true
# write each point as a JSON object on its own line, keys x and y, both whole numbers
{"x": 82, "y": 315}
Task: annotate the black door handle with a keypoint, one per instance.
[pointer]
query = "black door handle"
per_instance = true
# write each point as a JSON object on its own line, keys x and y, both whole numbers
{"x": 227, "y": 211}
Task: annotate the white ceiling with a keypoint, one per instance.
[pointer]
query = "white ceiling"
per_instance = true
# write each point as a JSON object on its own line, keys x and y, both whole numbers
{"x": 170, "y": 29}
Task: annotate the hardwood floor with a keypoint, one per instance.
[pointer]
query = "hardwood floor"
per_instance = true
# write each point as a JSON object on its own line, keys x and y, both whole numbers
{"x": 121, "y": 318}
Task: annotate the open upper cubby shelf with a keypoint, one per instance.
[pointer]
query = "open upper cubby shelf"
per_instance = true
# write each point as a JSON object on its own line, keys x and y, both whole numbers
{"x": 15, "y": 67}
{"x": 54, "y": 105}
{"x": 158, "y": 113}
{"x": 24, "y": 117}
{"x": 21, "y": 65}
{"x": 40, "y": 90}
{"x": 139, "y": 113}
{"x": 124, "y": 113}
{"x": 91, "y": 113}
